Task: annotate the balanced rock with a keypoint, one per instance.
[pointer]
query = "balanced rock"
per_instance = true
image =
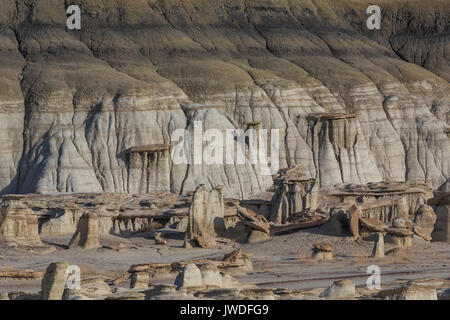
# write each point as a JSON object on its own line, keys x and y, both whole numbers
{"x": 340, "y": 289}
{"x": 322, "y": 251}
{"x": 401, "y": 223}
{"x": 402, "y": 232}
{"x": 409, "y": 292}
{"x": 54, "y": 281}
{"x": 86, "y": 235}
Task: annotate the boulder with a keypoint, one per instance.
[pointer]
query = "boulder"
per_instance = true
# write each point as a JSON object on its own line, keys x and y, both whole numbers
{"x": 93, "y": 287}
{"x": 340, "y": 289}
{"x": 189, "y": 277}
{"x": 441, "y": 230}
{"x": 159, "y": 239}
{"x": 54, "y": 281}
{"x": 256, "y": 236}
{"x": 425, "y": 218}
{"x": 421, "y": 233}
{"x": 398, "y": 241}
{"x": 402, "y": 223}
{"x": 372, "y": 224}
{"x": 402, "y": 232}
{"x": 86, "y": 235}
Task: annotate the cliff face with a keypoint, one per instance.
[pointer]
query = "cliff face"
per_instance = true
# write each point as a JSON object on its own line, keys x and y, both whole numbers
{"x": 73, "y": 102}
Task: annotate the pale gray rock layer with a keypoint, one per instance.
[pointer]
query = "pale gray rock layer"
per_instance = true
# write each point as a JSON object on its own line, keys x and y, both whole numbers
{"x": 71, "y": 103}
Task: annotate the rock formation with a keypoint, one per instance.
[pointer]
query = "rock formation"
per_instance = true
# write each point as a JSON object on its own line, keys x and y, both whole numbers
{"x": 54, "y": 281}
{"x": 378, "y": 247}
{"x": 441, "y": 230}
{"x": 86, "y": 235}
{"x": 206, "y": 218}
{"x": 190, "y": 277}
{"x": 298, "y": 67}
{"x": 18, "y": 224}
{"x": 295, "y": 192}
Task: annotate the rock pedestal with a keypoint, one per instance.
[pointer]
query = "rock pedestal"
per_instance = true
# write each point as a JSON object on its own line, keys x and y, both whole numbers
{"x": 18, "y": 224}
{"x": 86, "y": 235}
{"x": 205, "y": 220}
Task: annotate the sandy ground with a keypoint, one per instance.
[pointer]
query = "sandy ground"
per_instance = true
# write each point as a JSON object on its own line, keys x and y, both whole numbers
{"x": 283, "y": 262}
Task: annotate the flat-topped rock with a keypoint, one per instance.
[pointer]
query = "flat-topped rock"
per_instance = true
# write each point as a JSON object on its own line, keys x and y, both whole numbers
{"x": 149, "y": 148}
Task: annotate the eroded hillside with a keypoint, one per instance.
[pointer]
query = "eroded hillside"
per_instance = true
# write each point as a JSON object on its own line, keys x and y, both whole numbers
{"x": 73, "y": 102}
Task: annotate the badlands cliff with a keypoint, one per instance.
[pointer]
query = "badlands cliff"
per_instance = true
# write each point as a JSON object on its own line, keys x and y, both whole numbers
{"x": 352, "y": 105}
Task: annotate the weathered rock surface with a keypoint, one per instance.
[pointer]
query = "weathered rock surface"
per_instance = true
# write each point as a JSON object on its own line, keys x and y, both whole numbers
{"x": 206, "y": 216}
{"x": 73, "y": 103}
{"x": 190, "y": 277}
{"x": 18, "y": 224}
{"x": 54, "y": 281}
{"x": 378, "y": 247}
{"x": 87, "y": 233}
{"x": 409, "y": 292}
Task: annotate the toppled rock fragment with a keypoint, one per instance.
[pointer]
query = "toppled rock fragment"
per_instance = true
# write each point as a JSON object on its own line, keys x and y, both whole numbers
{"x": 373, "y": 224}
{"x": 54, "y": 281}
{"x": 86, "y": 235}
